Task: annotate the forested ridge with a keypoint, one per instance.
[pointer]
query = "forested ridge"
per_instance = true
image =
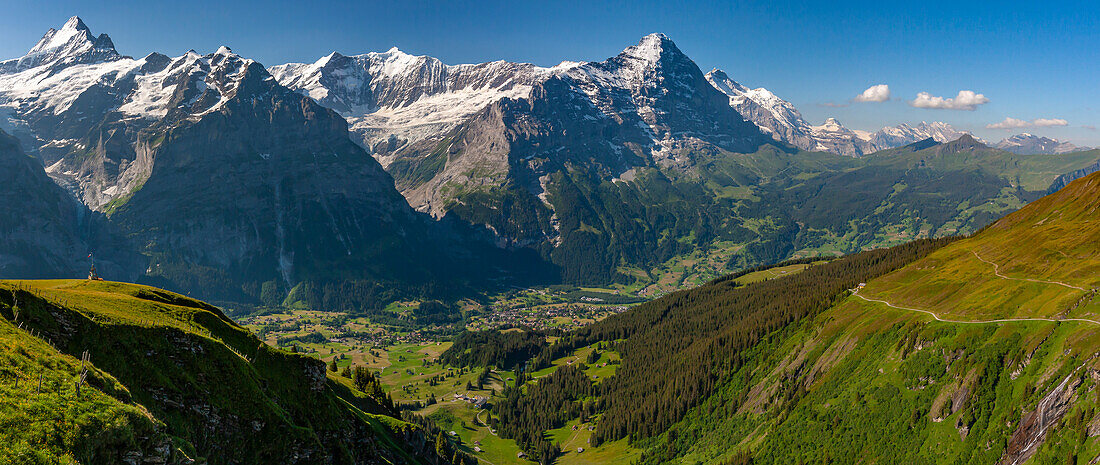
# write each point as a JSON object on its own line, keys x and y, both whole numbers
{"x": 676, "y": 349}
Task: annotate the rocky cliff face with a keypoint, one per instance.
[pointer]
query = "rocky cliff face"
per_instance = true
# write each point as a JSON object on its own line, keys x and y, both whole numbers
{"x": 392, "y": 99}
{"x": 41, "y": 226}
{"x": 1065, "y": 179}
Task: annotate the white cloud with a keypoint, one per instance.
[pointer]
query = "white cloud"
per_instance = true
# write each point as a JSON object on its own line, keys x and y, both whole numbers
{"x": 1041, "y": 122}
{"x": 966, "y": 100}
{"x": 1013, "y": 123}
{"x": 875, "y": 93}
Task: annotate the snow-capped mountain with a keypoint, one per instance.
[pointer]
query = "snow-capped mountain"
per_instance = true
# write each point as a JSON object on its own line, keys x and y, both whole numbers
{"x": 835, "y": 137}
{"x": 62, "y": 102}
{"x": 402, "y": 106}
{"x": 904, "y": 134}
{"x": 216, "y": 172}
{"x": 1030, "y": 144}
{"x": 775, "y": 116}
{"x": 72, "y": 44}
{"x": 782, "y": 120}
{"x": 391, "y": 99}
{"x": 221, "y": 175}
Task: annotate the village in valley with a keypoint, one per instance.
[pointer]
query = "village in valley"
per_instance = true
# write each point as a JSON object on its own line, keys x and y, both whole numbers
{"x": 405, "y": 358}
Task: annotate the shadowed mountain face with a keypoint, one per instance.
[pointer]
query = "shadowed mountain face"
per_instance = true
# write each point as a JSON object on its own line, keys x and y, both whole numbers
{"x": 41, "y": 225}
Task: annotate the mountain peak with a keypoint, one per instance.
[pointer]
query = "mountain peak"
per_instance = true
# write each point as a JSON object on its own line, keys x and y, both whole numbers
{"x": 103, "y": 42}
{"x": 72, "y": 44}
{"x": 73, "y": 34}
{"x": 652, "y": 48}
{"x": 832, "y": 125}
{"x": 75, "y": 23}
{"x": 965, "y": 142}
{"x": 717, "y": 75}
{"x": 721, "y": 81}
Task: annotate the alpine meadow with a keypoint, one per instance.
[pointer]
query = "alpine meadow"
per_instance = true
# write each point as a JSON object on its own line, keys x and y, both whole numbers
{"x": 587, "y": 245}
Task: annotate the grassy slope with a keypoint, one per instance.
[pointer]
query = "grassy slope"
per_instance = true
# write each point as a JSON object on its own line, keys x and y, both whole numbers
{"x": 1053, "y": 239}
{"x": 865, "y": 383}
{"x": 211, "y": 382}
{"x": 44, "y": 420}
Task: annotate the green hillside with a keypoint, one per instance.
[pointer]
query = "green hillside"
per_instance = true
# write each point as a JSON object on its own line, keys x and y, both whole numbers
{"x": 875, "y": 379}
{"x": 172, "y": 379}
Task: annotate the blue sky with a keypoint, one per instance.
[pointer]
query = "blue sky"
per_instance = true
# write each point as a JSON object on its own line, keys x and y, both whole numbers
{"x": 1031, "y": 60}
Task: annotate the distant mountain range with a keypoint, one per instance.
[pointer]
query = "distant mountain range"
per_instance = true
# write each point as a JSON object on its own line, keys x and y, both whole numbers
{"x": 780, "y": 119}
{"x": 1031, "y": 144}
{"x": 210, "y": 173}
{"x": 392, "y": 99}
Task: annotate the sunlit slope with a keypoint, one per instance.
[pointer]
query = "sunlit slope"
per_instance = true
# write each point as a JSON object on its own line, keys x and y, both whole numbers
{"x": 167, "y": 363}
{"x": 44, "y": 420}
{"x": 1042, "y": 261}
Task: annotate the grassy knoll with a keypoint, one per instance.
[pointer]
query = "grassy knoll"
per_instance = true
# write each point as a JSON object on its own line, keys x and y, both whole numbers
{"x": 772, "y": 273}
{"x": 571, "y": 440}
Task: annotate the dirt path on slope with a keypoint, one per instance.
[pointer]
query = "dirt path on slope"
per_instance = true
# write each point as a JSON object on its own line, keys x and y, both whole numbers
{"x": 999, "y": 320}
{"x": 997, "y": 271}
